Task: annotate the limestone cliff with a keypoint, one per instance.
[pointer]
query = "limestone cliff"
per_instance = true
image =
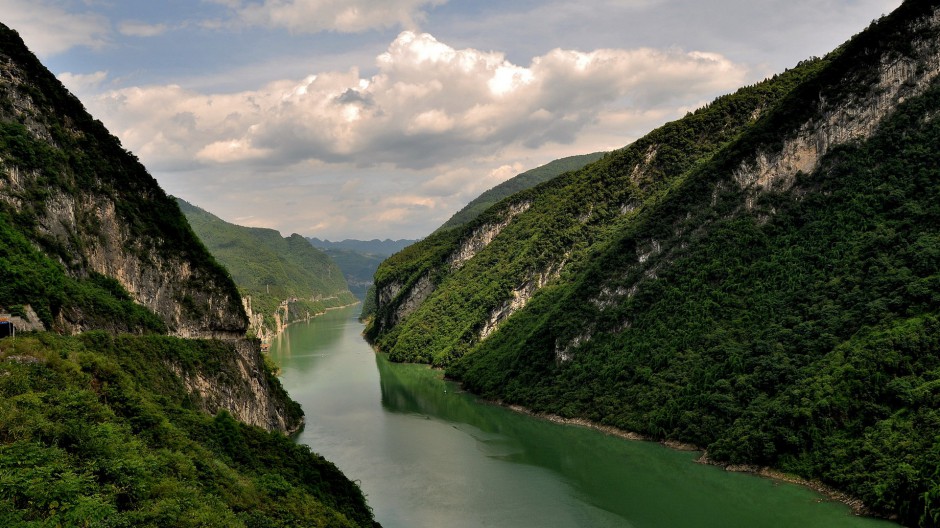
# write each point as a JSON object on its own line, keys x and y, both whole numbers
{"x": 92, "y": 243}
{"x": 242, "y": 386}
{"x": 88, "y": 203}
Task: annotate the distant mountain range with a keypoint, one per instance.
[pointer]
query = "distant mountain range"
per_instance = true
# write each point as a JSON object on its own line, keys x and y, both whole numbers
{"x": 282, "y": 279}
{"x": 370, "y": 247}
{"x": 358, "y": 259}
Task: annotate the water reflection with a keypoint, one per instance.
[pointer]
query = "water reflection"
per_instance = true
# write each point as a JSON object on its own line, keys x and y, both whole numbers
{"x": 428, "y": 454}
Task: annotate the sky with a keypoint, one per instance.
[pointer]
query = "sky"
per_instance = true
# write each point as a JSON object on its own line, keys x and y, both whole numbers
{"x": 381, "y": 118}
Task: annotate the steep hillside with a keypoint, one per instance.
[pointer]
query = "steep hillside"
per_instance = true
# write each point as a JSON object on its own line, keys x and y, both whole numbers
{"x": 95, "y": 431}
{"x": 518, "y": 183}
{"x": 70, "y": 189}
{"x": 103, "y": 420}
{"x": 88, "y": 240}
{"x": 281, "y": 279}
{"x": 759, "y": 278}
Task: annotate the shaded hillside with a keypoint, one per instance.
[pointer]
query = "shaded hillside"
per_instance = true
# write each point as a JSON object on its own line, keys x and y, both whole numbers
{"x": 518, "y": 183}
{"x": 96, "y": 431}
{"x": 283, "y": 279}
{"x": 759, "y": 278}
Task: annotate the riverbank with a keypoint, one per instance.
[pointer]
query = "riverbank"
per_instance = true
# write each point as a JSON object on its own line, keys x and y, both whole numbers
{"x": 857, "y": 505}
{"x": 281, "y": 327}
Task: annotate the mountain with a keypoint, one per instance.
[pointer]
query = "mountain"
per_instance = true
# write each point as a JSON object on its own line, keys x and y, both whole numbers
{"x": 520, "y": 182}
{"x": 129, "y": 396}
{"x": 760, "y": 278}
{"x": 359, "y": 259}
{"x": 370, "y": 247}
{"x": 281, "y": 279}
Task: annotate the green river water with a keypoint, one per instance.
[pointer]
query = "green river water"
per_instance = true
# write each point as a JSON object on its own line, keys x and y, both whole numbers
{"x": 427, "y": 454}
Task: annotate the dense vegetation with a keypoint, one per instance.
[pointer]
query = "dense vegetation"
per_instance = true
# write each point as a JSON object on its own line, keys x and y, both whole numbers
{"x": 520, "y": 182}
{"x": 271, "y": 268}
{"x": 569, "y": 216}
{"x": 96, "y": 431}
{"x": 31, "y": 278}
{"x": 794, "y": 326}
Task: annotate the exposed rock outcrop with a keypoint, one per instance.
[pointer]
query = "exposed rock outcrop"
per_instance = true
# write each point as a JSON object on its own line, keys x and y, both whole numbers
{"x": 520, "y": 297}
{"x": 483, "y": 235}
{"x": 90, "y": 211}
{"x": 852, "y": 118}
{"x": 240, "y": 387}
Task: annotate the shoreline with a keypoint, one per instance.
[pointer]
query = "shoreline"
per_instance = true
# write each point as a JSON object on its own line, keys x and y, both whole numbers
{"x": 325, "y": 310}
{"x": 856, "y": 505}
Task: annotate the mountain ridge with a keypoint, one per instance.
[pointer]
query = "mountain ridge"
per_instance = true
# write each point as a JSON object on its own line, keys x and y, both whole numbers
{"x": 520, "y": 182}
{"x": 129, "y": 396}
{"x": 758, "y": 278}
{"x": 281, "y": 279}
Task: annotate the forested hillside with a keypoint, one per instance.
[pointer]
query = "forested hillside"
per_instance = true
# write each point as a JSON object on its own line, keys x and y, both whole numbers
{"x": 103, "y": 420}
{"x": 520, "y": 182}
{"x": 760, "y": 278}
{"x": 96, "y": 431}
{"x": 81, "y": 222}
{"x": 286, "y": 279}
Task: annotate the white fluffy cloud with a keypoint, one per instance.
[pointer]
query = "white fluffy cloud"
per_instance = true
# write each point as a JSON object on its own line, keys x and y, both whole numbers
{"x": 48, "y": 29}
{"x": 348, "y": 16}
{"x": 401, "y": 150}
{"x": 429, "y": 104}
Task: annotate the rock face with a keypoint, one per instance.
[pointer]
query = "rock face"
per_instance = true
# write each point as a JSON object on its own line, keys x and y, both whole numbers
{"x": 91, "y": 205}
{"x": 395, "y": 300}
{"x": 851, "y": 119}
{"x": 483, "y": 235}
{"x": 520, "y": 297}
{"x": 242, "y": 388}
{"x": 84, "y": 202}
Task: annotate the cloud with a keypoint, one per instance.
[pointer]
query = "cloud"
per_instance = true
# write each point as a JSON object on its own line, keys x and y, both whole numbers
{"x": 429, "y": 104}
{"x": 48, "y": 29}
{"x": 347, "y": 16}
{"x": 140, "y": 29}
{"x": 82, "y": 82}
{"x": 397, "y": 152}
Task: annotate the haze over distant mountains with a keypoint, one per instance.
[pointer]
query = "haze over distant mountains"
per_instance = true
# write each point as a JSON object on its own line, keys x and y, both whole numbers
{"x": 358, "y": 259}
{"x": 372, "y": 247}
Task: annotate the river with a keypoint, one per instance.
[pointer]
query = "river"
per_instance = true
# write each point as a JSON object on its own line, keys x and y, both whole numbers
{"x": 427, "y": 454}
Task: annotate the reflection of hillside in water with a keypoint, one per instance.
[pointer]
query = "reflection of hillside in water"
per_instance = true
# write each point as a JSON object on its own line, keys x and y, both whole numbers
{"x": 303, "y": 342}
{"x": 641, "y": 481}
{"x": 602, "y": 468}
{"x": 435, "y": 456}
